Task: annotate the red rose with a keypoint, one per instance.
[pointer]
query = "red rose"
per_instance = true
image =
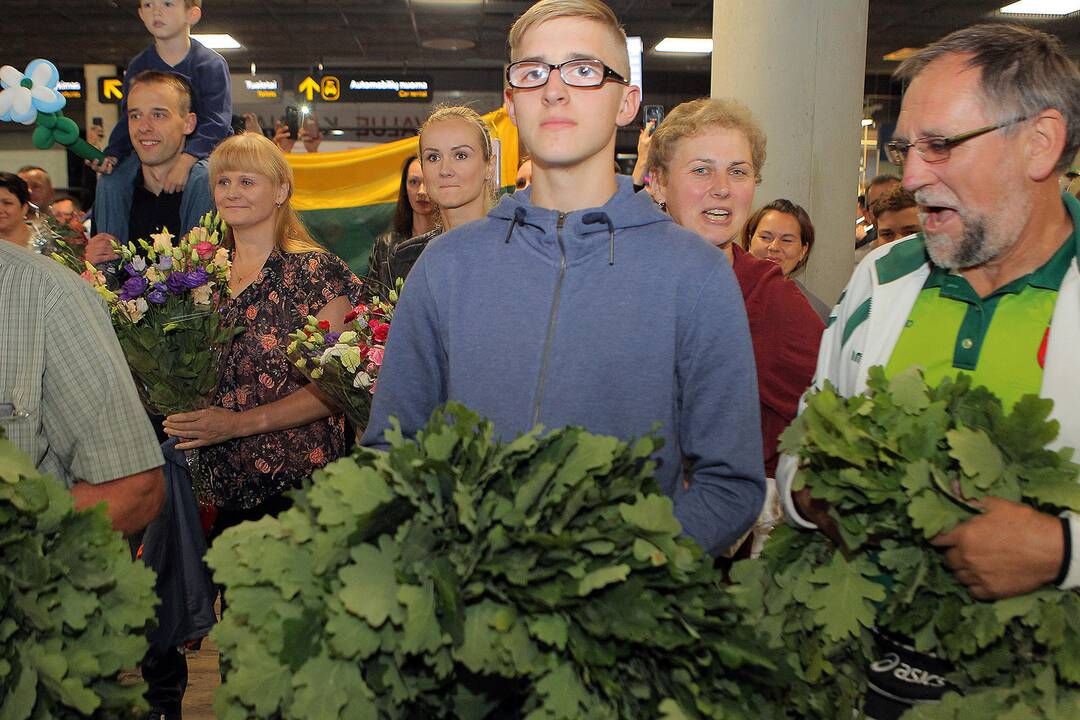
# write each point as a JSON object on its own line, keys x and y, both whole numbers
{"x": 356, "y": 312}
{"x": 379, "y": 330}
{"x": 324, "y": 325}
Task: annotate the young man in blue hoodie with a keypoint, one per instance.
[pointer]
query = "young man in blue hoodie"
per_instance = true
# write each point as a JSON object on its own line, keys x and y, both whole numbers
{"x": 577, "y": 302}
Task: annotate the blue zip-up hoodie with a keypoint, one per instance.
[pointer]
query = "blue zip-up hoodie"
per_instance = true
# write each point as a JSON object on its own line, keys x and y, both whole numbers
{"x": 613, "y": 319}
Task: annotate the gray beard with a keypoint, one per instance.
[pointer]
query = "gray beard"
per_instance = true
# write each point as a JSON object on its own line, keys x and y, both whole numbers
{"x": 971, "y": 250}
{"x": 978, "y": 244}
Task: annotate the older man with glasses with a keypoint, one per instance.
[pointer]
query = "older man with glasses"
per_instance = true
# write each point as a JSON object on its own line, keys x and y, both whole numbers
{"x": 989, "y": 123}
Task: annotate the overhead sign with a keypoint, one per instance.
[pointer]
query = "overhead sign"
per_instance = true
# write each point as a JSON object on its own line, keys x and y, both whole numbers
{"x": 256, "y": 88}
{"x": 364, "y": 87}
{"x": 308, "y": 87}
{"x": 71, "y": 89}
{"x": 327, "y": 88}
{"x": 330, "y": 88}
{"x": 110, "y": 90}
{"x": 390, "y": 89}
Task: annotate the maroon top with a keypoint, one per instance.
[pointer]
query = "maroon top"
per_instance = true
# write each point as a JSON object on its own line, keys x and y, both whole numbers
{"x": 244, "y": 472}
{"x": 785, "y": 332}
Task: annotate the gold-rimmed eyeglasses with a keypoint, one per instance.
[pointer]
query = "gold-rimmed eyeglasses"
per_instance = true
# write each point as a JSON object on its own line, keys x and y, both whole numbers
{"x": 937, "y": 149}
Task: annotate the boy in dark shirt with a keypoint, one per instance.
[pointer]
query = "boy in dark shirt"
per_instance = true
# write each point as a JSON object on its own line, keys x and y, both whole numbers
{"x": 173, "y": 50}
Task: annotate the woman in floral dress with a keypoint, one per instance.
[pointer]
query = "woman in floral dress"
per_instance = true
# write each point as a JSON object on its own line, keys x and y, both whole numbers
{"x": 270, "y": 428}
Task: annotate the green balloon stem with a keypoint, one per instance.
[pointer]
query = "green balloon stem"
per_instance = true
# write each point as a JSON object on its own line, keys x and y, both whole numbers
{"x": 86, "y": 151}
{"x": 80, "y": 147}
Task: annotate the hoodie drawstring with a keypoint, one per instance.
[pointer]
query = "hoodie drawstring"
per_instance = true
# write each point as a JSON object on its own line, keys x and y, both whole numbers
{"x": 593, "y": 218}
{"x": 519, "y": 217}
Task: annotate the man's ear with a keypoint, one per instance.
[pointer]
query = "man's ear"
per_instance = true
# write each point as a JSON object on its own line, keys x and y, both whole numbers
{"x": 194, "y": 15}
{"x": 628, "y": 109}
{"x": 508, "y": 103}
{"x": 1045, "y": 143}
{"x": 190, "y": 121}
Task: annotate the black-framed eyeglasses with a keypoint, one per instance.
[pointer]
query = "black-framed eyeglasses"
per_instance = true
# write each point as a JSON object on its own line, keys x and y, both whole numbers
{"x": 528, "y": 74}
{"x": 937, "y": 149}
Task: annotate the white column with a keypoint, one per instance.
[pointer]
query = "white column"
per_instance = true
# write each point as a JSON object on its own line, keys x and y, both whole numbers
{"x": 799, "y": 66}
{"x": 94, "y": 107}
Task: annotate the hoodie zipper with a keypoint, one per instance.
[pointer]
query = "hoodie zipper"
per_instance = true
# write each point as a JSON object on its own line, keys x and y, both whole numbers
{"x": 546, "y": 357}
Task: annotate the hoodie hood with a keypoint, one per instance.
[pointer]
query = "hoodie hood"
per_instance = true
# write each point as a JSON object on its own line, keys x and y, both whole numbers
{"x": 583, "y": 230}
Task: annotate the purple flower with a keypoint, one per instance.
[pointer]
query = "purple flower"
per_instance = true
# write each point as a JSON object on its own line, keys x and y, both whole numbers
{"x": 196, "y": 278}
{"x": 158, "y": 295}
{"x": 331, "y": 337}
{"x": 164, "y": 263}
{"x": 136, "y": 267}
{"x": 175, "y": 282}
{"x": 133, "y": 287}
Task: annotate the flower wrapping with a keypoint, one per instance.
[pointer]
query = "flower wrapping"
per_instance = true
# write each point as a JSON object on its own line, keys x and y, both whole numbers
{"x": 345, "y": 366}
{"x": 63, "y": 242}
{"x": 167, "y": 315}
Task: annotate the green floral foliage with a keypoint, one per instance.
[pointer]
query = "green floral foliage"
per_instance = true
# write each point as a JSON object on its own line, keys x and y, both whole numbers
{"x": 461, "y": 577}
{"x": 74, "y": 607}
{"x": 899, "y": 465}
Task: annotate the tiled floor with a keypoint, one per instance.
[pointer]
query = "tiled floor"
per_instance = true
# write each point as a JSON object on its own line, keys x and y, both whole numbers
{"x": 203, "y": 680}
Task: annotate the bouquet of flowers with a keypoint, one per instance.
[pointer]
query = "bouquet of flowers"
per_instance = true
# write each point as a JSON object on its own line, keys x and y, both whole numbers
{"x": 63, "y": 242}
{"x": 345, "y": 366}
{"x": 166, "y": 315}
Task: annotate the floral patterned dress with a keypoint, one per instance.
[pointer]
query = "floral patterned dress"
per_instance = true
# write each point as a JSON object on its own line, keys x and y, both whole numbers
{"x": 242, "y": 473}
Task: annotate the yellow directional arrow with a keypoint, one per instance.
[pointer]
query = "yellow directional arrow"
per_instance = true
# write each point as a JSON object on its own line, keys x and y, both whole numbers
{"x": 112, "y": 88}
{"x": 309, "y": 87}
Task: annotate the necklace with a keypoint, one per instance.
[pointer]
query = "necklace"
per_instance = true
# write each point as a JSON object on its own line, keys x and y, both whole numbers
{"x": 237, "y": 279}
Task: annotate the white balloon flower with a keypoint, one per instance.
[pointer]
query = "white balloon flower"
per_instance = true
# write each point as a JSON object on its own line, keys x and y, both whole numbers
{"x": 25, "y": 94}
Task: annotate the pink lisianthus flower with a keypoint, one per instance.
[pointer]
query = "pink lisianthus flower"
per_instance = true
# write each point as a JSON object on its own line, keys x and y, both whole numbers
{"x": 375, "y": 355}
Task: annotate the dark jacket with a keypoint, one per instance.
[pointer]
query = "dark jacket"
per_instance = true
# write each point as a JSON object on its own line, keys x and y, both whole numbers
{"x": 392, "y": 257}
{"x": 614, "y": 319}
{"x": 174, "y": 546}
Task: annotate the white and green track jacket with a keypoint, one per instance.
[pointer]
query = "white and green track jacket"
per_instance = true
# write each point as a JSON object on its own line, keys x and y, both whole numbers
{"x": 867, "y": 321}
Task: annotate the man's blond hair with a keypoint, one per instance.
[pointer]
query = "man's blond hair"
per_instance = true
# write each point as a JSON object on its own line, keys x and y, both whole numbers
{"x": 587, "y": 9}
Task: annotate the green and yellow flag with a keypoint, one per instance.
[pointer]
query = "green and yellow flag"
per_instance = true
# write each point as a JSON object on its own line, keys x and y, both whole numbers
{"x": 347, "y": 197}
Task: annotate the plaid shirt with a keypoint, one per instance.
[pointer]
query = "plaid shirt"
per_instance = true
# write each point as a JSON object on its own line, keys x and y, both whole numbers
{"x": 66, "y": 394}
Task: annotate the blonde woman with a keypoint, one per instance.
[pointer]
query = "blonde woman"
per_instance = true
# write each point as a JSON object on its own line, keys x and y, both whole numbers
{"x": 457, "y": 160}
{"x": 270, "y": 428}
{"x": 706, "y": 160}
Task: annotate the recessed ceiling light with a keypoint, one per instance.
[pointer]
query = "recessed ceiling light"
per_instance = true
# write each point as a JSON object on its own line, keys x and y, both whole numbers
{"x": 218, "y": 41}
{"x": 684, "y": 45}
{"x": 901, "y": 54}
{"x": 448, "y": 44}
{"x": 1042, "y": 7}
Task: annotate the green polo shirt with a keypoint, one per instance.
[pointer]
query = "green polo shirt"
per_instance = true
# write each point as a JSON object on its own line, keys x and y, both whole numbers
{"x": 1000, "y": 340}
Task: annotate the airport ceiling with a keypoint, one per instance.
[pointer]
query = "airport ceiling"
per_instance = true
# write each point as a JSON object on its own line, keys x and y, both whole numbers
{"x": 407, "y": 33}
